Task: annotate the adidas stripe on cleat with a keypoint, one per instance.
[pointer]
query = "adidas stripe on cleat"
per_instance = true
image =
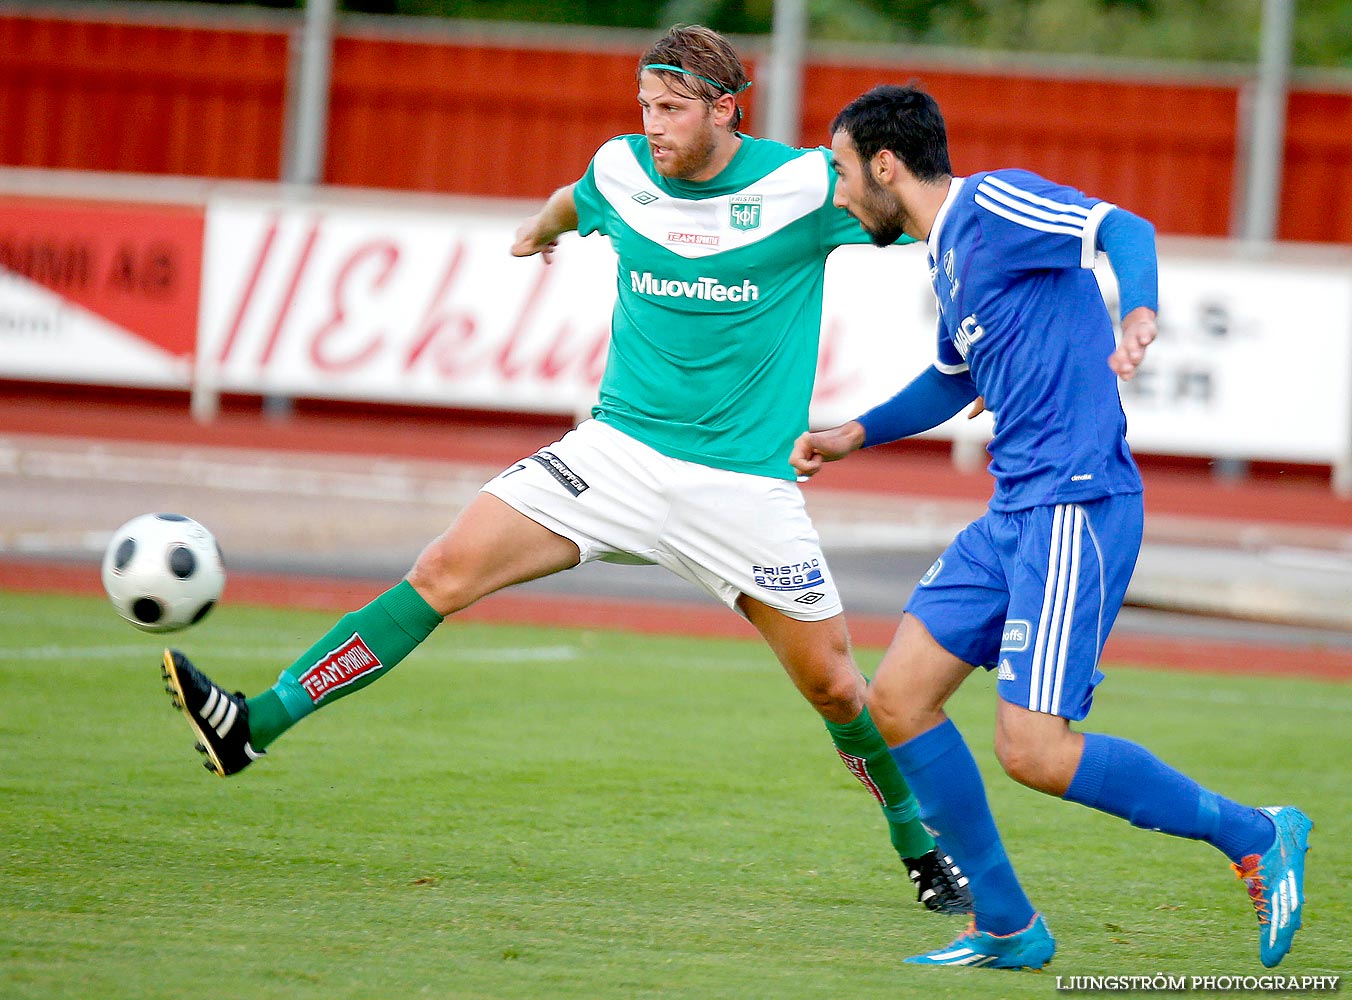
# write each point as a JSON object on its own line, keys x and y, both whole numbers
{"x": 1030, "y": 948}
{"x": 219, "y": 719}
{"x": 1276, "y": 882}
{"x": 940, "y": 884}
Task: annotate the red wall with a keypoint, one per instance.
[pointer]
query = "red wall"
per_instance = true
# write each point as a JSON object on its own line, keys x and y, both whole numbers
{"x": 140, "y": 98}
{"x": 1316, "y": 201}
{"x": 493, "y": 120}
{"x": 473, "y": 120}
{"x": 1111, "y": 139}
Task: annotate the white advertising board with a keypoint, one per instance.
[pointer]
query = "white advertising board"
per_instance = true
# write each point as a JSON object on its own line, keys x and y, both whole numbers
{"x": 1253, "y": 361}
{"x": 399, "y": 307}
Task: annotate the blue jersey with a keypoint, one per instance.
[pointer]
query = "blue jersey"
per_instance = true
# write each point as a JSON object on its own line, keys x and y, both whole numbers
{"x": 1011, "y": 258}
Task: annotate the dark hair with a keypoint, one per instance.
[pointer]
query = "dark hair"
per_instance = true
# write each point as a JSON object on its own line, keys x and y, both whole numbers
{"x": 905, "y": 120}
{"x": 712, "y": 66}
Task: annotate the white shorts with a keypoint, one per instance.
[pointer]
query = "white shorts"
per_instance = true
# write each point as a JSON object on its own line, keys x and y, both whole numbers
{"x": 730, "y": 533}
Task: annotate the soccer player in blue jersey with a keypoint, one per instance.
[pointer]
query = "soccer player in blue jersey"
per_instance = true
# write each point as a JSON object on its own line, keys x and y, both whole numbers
{"x": 721, "y": 241}
{"x": 1032, "y": 588}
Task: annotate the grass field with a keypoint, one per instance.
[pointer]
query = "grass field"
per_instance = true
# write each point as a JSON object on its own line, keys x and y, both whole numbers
{"x": 543, "y": 813}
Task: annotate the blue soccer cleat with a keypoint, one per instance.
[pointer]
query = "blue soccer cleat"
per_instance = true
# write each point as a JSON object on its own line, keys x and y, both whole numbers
{"x": 1276, "y": 882}
{"x": 1030, "y": 948}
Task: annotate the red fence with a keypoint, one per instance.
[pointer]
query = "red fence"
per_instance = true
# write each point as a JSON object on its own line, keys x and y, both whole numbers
{"x": 491, "y": 119}
{"x": 92, "y": 95}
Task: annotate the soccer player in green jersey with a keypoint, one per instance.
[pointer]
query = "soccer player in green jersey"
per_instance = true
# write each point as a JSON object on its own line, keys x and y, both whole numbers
{"x": 722, "y": 242}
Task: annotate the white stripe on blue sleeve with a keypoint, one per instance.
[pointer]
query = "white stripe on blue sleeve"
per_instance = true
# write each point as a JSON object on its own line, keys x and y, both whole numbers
{"x": 1044, "y": 214}
{"x": 1089, "y": 243}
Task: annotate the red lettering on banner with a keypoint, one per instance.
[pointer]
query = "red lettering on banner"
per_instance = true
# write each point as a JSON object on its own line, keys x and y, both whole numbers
{"x": 553, "y": 360}
{"x": 859, "y": 768}
{"x": 506, "y": 367}
{"x": 302, "y": 260}
{"x": 450, "y": 331}
{"x": 594, "y": 364}
{"x": 250, "y": 286}
{"x": 339, "y": 667}
{"x": 451, "y": 339}
{"x": 830, "y": 382}
{"x": 388, "y": 259}
{"x": 136, "y": 265}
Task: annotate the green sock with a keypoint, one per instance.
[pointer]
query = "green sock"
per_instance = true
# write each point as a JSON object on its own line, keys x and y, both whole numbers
{"x": 362, "y": 647}
{"x": 865, "y": 753}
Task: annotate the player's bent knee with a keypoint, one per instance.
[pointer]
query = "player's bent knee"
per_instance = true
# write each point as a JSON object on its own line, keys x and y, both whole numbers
{"x": 838, "y": 697}
{"x": 436, "y": 580}
{"x": 894, "y": 719}
{"x": 1028, "y": 763}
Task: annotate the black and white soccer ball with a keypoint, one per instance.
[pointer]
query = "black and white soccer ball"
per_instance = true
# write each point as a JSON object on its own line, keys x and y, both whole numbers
{"x": 163, "y": 572}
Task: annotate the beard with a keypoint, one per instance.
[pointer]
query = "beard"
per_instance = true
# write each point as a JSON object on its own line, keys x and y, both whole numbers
{"x": 882, "y": 215}
{"x": 693, "y": 157}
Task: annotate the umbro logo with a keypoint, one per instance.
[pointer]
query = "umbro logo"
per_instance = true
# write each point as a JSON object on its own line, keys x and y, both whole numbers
{"x": 645, "y": 197}
{"x": 809, "y": 598}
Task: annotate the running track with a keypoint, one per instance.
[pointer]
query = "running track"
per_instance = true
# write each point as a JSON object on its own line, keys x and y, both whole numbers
{"x": 1275, "y": 496}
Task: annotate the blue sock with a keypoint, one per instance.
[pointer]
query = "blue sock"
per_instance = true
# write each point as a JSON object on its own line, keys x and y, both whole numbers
{"x": 944, "y": 777}
{"x": 1125, "y": 779}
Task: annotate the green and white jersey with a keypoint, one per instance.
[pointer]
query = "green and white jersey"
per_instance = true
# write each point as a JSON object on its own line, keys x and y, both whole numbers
{"x": 714, "y": 337}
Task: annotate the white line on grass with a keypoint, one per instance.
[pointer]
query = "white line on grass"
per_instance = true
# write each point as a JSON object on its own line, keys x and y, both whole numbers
{"x": 1219, "y": 696}
{"x": 69, "y": 653}
{"x": 519, "y": 654}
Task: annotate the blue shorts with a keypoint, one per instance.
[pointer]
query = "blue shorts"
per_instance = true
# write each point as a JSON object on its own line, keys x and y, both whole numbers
{"x": 1032, "y": 595}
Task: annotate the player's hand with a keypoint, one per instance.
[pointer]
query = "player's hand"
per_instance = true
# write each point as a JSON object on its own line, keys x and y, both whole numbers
{"x": 533, "y": 237}
{"x": 540, "y": 233}
{"x": 813, "y": 449}
{"x": 1138, "y": 333}
{"x": 977, "y": 408}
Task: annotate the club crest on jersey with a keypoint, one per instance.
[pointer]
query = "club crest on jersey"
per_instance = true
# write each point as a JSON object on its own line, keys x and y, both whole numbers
{"x": 950, "y": 271}
{"x": 745, "y": 211}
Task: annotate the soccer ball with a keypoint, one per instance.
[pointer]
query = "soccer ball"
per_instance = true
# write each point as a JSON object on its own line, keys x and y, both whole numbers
{"x": 163, "y": 572}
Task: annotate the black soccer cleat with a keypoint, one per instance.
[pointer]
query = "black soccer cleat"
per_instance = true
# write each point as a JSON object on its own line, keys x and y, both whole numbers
{"x": 220, "y": 720}
{"x": 940, "y": 884}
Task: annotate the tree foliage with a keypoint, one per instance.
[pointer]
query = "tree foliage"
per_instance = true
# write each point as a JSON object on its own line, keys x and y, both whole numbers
{"x": 1179, "y": 30}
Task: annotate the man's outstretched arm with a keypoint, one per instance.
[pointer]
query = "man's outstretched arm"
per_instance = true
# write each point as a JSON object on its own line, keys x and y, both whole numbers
{"x": 540, "y": 233}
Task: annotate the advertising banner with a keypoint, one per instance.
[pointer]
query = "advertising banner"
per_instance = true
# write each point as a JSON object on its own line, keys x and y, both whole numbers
{"x": 99, "y": 292}
{"x": 1253, "y": 361}
{"x": 400, "y": 307}
{"x": 375, "y": 303}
